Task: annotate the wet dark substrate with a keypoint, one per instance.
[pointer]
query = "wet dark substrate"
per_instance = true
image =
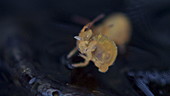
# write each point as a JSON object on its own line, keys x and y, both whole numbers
{"x": 49, "y": 36}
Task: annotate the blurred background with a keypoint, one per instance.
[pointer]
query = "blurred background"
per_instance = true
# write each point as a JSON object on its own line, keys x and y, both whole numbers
{"x": 44, "y": 32}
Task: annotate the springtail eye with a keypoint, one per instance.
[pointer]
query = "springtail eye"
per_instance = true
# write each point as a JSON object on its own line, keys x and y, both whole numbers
{"x": 77, "y": 37}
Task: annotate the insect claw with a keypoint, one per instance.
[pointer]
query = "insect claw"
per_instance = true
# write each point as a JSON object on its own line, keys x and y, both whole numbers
{"x": 77, "y": 37}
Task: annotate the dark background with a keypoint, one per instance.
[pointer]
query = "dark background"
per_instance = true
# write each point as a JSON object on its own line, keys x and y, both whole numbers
{"x": 48, "y": 28}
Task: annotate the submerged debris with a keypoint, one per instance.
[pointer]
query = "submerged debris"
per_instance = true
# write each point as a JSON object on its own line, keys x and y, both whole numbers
{"x": 21, "y": 65}
{"x": 151, "y": 83}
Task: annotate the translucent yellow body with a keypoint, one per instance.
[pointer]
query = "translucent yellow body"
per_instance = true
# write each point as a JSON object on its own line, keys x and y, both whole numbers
{"x": 117, "y": 28}
{"x": 97, "y": 48}
{"x": 97, "y": 44}
{"x": 105, "y": 53}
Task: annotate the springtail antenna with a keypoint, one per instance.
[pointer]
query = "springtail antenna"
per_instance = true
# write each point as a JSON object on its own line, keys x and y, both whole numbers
{"x": 89, "y": 25}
